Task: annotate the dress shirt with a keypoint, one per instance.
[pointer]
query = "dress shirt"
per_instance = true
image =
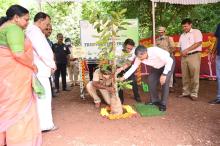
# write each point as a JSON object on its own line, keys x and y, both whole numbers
{"x": 188, "y": 39}
{"x": 157, "y": 58}
{"x": 44, "y": 58}
{"x": 120, "y": 52}
{"x": 123, "y": 57}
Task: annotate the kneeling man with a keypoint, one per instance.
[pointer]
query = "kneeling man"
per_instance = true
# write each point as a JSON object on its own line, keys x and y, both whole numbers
{"x": 102, "y": 81}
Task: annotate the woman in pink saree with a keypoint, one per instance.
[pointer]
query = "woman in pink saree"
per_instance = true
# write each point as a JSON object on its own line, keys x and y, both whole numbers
{"x": 19, "y": 124}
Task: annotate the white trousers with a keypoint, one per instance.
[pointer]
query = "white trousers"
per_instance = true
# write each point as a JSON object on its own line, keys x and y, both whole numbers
{"x": 44, "y": 106}
{"x": 73, "y": 71}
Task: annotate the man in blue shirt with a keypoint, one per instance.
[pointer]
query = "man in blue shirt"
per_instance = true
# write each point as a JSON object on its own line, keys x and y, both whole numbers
{"x": 217, "y": 53}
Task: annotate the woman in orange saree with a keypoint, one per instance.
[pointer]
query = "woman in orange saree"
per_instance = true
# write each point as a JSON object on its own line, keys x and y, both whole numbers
{"x": 19, "y": 124}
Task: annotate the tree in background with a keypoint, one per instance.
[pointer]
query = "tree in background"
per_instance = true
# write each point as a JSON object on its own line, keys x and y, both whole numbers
{"x": 205, "y": 17}
{"x": 65, "y": 19}
{"x": 5, "y": 4}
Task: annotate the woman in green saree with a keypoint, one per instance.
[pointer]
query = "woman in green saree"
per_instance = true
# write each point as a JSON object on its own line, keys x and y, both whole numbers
{"x": 19, "y": 124}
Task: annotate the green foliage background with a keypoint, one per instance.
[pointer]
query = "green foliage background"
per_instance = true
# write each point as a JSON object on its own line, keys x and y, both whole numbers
{"x": 66, "y": 15}
{"x": 205, "y": 17}
{"x": 65, "y": 19}
{"x": 4, "y": 4}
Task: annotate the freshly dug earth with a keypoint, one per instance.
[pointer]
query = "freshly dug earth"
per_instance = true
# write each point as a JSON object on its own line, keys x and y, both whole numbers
{"x": 186, "y": 122}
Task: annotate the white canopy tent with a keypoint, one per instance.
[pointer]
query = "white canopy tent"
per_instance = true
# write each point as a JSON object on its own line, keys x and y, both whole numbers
{"x": 182, "y": 2}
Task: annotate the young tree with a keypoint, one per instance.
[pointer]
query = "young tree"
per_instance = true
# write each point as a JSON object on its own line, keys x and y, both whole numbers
{"x": 108, "y": 27}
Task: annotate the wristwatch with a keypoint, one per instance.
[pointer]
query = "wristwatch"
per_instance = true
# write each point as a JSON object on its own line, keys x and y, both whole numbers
{"x": 164, "y": 74}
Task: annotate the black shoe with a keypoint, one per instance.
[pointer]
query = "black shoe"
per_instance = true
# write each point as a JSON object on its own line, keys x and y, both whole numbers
{"x": 137, "y": 99}
{"x": 66, "y": 90}
{"x": 162, "y": 108}
{"x": 153, "y": 103}
{"x": 215, "y": 101}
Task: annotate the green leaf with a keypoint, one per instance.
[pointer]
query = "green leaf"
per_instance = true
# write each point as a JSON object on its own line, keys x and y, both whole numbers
{"x": 111, "y": 55}
{"x": 125, "y": 85}
{"x": 110, "y": 23}
{"x": 97, "y": 26}
{"x": 121, "y": 28}
{"x": 128, "y": 86}
{"x": 113, "y": 13}
{"x": 98, "y": 30}
{"x": 114, "y": 33}
{"x": 125, "y": 23}
{"x": 104, "y": 20}
{"x": 123, "y": 11}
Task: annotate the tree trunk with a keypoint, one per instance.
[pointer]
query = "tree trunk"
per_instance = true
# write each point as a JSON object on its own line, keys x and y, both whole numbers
{"x": 116, "y": 106}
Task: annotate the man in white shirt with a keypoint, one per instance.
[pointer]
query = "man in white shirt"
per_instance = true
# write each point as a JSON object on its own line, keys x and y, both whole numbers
{"x": 44, "y": 59}
{"x": 125, "y": 55}
{"x": 190, "y": 46}
{"x": 162, "y": 67}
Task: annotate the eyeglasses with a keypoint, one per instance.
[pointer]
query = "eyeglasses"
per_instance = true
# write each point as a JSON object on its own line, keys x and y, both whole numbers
{"x": 141, "y": 53}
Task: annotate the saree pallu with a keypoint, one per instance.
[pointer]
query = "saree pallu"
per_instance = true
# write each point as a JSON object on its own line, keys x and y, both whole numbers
{"x": 19, "y": 123}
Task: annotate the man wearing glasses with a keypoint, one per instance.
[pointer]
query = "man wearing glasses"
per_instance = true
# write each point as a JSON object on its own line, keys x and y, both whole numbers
{"x": 161, "y": 69}
{"x": 190, "y": 46}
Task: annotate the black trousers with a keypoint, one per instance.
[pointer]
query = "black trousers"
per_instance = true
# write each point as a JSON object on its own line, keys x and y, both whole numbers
{"x": 134, "y": 88}
{"x": 92, "y": 68}
{"x": 61, "y": 69}
{"x": 154, "y": 80}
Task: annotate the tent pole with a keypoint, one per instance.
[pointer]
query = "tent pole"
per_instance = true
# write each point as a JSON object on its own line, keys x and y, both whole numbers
{"x": 153, "y": 17}
{"x": 39, "y": 3}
